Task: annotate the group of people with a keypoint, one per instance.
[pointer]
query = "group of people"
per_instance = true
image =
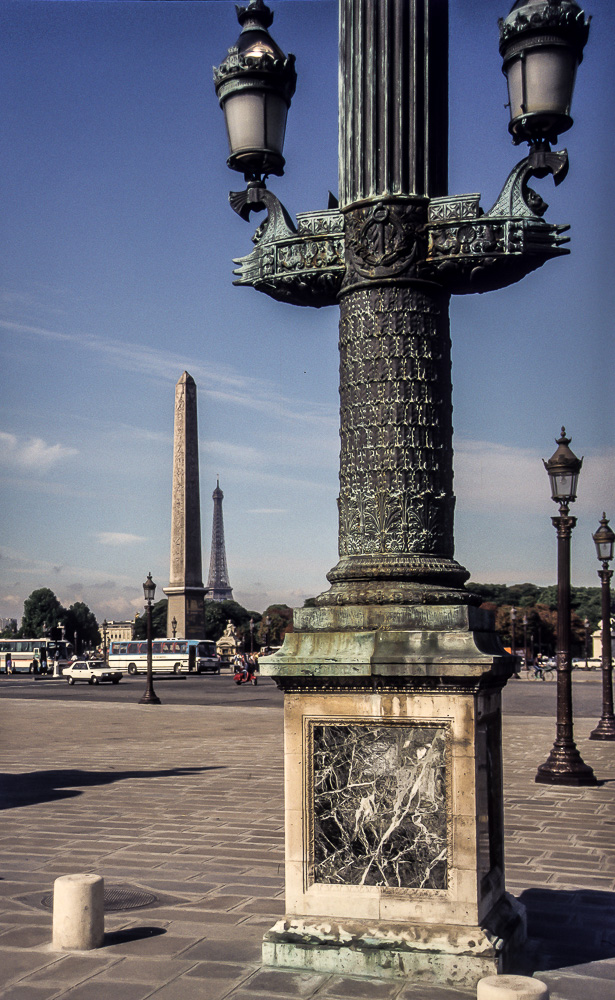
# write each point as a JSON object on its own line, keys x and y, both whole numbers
{"x": 246, "y": 665}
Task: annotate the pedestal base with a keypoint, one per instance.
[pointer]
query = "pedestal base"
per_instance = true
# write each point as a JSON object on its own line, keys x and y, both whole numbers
{"x": 438, "y": 953}
{"x": 393, "y": 774}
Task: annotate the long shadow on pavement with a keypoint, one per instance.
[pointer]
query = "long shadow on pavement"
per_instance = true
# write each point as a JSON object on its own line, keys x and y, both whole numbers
{"x": 567, "y": 927}
{"x": 33, "y": 787}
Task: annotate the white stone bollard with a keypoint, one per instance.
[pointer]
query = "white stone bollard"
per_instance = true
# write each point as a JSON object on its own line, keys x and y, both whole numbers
{"x": 511, "y": 988}
{"x": 78, "y": 912}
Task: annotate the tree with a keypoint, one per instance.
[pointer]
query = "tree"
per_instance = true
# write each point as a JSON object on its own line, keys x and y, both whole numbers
{"x": 159, "y": 622}
{"x": 80, "y": 620}
{"x": 41, "y": 608}
{"x": 280, "y": 622}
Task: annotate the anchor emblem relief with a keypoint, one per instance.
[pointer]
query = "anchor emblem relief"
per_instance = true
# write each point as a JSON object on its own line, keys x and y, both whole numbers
{"x": 382, "y": 241}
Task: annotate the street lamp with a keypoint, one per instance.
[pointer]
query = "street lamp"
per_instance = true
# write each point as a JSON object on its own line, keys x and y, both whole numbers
{"x": 150, "y": 697}
{"x": 586, "y": 635}
{"x": 513, "y": 632}
{"x": 396, "y": 626}
{"x": 254, "y": 85}
{"x": 564, "y": 765}
{"x": 267, "y": 627}
{"x": 174, "y": 625}
{"x": 525, "y": 656}
{"x": 251, "y": 635}
{"x": 104, "y": 628}
{"x": 604, "y": 539}
{"x": 541, "y": 44}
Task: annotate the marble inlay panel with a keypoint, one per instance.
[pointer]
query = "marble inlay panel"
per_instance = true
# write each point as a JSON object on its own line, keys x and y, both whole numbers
{"x": 378, "y": 803}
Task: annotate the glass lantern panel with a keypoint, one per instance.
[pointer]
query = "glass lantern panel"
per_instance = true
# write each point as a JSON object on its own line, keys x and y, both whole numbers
{"x": 277, "y": 111}
{"x": 562, "y": 484}
{"x": 549, "y": 79}
{"x": 245, "y": 120}
{"x": 605, "y": 550}
{"x": 515, "y": 87}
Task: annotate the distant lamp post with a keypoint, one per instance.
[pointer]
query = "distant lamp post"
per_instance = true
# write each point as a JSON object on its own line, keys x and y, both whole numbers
{"x": 586, "y": 633}
{"x": 564, "y": 765}
{"x": 150, "y": 697}
{"x": 174, "y": 626}
{"x": 267, "y": 628}
{"x": 75, "y": 641}
{"x": 251, "y": 635}
{"x": 104, "y": 628}
{"x": 604, "y": 539}
{"x": 513, "y": 632}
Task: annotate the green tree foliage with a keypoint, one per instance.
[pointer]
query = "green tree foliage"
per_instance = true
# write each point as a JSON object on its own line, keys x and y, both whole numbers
{"x": 41, "y": 608}
{"x": 80, "y": 620}
{"x": 218, "y": 613}
{"x": 586, "y": 601}
{"x": 280, "y": 622}
{"x": 159, "y": 622}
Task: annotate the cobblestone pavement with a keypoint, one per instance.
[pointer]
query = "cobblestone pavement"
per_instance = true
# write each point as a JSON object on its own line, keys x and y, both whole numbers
{"x": 186, "y": 802}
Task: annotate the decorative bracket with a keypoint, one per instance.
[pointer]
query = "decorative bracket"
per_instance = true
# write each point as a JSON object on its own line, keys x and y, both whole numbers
{"x": 467, "y": 249}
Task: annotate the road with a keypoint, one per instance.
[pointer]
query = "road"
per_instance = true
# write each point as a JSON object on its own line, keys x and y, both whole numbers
{"x": 531, "y": 698}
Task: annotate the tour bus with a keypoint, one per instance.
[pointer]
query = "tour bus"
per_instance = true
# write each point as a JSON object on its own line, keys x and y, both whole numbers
{"x": 33, "y": 655}
{"x": 168, "y": 656}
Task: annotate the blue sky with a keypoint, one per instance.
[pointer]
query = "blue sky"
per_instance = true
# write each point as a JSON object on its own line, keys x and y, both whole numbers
{"x": 118, "y": 242}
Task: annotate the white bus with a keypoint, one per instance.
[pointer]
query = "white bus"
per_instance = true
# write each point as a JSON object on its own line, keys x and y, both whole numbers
{"x": 33, "y": 656}
{"x": 168, "y": 656}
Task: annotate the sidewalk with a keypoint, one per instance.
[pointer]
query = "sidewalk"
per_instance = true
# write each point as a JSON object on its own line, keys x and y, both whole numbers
{"x": 186, "y": 803}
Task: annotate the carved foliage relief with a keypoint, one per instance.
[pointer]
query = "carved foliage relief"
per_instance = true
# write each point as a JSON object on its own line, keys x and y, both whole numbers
{"x": 396, "y": 423}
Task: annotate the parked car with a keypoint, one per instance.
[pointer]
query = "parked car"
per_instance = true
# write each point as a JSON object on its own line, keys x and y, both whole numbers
{"x": 92, "y": 671}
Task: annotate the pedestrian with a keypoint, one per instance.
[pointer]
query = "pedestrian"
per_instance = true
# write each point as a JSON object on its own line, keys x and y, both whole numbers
{"x": 9, "y": 664}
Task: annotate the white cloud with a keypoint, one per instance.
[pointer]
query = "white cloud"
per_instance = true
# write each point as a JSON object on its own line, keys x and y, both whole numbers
{"x": 267, "y": 510}
{"x": 231, "y": 387}
{"x": 492, "y": 476}
{"x": 118, "y": 538}
{"x": 31, "y": 453}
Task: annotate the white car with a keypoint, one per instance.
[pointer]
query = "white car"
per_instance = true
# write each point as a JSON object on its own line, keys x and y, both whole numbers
{"x": 92, "y": 671}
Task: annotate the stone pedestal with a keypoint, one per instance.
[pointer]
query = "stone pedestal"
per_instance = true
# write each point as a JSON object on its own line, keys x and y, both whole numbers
{"x": 393, "y": 785}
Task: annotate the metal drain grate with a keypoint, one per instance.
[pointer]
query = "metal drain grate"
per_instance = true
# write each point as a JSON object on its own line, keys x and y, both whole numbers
{"x": 117, "y": 898}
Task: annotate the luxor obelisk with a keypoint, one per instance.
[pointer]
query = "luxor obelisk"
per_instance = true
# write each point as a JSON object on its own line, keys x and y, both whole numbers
{"x": 186, "y": 591}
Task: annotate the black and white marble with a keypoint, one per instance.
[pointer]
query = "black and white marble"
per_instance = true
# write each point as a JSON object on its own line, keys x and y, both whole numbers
{"x": 379, "y": 805}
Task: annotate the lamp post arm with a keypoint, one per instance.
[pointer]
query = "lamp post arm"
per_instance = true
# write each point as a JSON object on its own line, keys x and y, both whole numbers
{"x": 461, "y": 247}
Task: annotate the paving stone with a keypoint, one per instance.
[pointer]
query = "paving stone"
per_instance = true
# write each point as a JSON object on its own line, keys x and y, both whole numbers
{"x": 281, "y": 983}
{"x": 23, "y": 992}
{"x": 213, "y": 839}
{"x": 69, "y": 970}
{"x": 370, "y": 989}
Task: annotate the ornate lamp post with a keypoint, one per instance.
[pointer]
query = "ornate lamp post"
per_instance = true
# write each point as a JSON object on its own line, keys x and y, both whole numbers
{"x": 174, "y": 626}
{"x": 251, "y": 635}
{"x": 396, "y": 654}
{"x": 150, "y": 697}
{"x": 586, "y": 640}
{"x": 564, "y": 765}
{"x": 513, "y": 632}
{"x": 604, "y": 538}
{"x": 104, "y": 631}
{"x": 525, "y": 656}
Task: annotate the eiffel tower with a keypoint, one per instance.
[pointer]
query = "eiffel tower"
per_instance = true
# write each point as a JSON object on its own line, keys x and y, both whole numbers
{"x": 218, "y": 586}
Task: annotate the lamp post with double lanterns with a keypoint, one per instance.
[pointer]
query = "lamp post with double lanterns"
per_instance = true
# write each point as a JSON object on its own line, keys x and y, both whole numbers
{"x": 397, "y": 626}
{"x": 150, "y": 697}
{"x": 564, "y": 765}
{"x": 604, "y": 539}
